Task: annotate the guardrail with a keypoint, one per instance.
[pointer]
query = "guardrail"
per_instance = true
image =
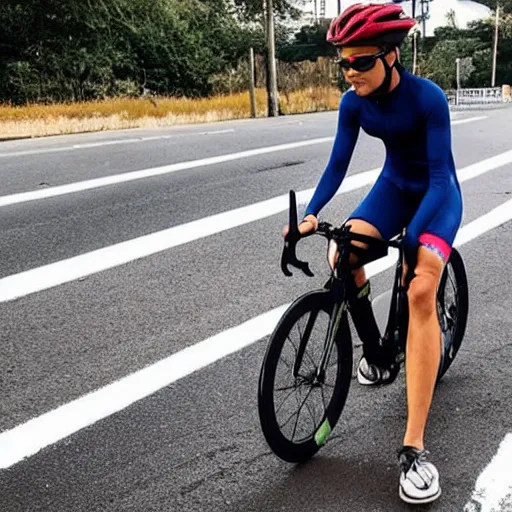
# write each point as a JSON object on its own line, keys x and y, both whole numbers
{"x": 479, "y": 96}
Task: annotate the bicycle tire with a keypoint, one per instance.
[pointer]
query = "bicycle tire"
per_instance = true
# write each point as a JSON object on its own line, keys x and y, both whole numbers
{"x": 451, "y": 349}
{"x": 296, "y": 452}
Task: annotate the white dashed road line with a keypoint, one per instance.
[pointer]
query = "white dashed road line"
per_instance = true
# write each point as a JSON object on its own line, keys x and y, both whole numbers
{"x": 156, "y": 171}
{"x": 493, "y": 489}
{"x": 27, "y": 439}
{"x": 80, "y": 186}
{"x": 90, "y": 145}
{"x": 64, "y": 271}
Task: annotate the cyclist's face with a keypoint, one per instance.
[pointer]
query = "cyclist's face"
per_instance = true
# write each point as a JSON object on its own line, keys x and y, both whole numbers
{"x": 365, "y": 82}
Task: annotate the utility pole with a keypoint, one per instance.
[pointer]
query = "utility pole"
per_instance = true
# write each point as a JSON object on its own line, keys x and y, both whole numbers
{"x": 424, "y": 7}
{"x": 414, "y": 51}
{"x": 495, "y": 52}
{"x": 425, "y": 11}
{"x": 414, "y": 41}
{"x": 252, "y": 84}
{"x": 457, "y": 63}
{"x": 322, "y": 9}
{"x": 273, "y": 107}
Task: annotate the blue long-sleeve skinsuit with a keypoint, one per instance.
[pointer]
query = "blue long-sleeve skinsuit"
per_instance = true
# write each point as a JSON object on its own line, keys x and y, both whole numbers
{"x": 418, "y": 187}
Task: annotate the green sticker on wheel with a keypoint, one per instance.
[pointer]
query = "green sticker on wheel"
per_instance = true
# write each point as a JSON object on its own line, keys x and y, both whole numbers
{"x": 323, "y": 433}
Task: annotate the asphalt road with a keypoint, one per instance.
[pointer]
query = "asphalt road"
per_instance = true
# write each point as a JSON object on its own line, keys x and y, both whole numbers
{"x": 195, "y": 444}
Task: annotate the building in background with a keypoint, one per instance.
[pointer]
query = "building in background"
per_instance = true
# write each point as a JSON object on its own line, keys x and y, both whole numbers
{"x": 464, "y": 11}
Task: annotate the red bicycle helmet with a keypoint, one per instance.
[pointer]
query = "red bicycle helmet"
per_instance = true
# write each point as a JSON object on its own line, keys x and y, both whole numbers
{"x": 370, "y": 24}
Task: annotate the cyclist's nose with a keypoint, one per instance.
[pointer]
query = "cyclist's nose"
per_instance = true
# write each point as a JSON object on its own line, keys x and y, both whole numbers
{"x": 352, "y": 73}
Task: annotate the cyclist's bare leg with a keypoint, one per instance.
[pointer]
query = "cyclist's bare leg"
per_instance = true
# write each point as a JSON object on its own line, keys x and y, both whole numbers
{"x": 423, "y": 351}
{"x": 363, "y": 228}
{"x": 359, "y": 299}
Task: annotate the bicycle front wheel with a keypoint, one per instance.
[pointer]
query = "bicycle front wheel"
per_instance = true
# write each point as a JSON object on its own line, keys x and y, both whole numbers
{"x": 298, "y": 410}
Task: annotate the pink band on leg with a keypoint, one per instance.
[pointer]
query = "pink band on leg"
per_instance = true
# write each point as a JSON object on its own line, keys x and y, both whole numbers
{"x": 437, "y": 245}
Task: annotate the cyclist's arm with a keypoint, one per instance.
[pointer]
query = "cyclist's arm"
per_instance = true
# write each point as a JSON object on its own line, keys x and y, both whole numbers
{"x": 439, "y": 162}
{"x": 343, "y": 147}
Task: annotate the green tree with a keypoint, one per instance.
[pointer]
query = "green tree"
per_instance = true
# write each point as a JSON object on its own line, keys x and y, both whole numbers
{"x": 476, "y": 43}
{"x": 56, "y": 50}
{"x": 309, "y": 44}
{"x": 506, "y": 5}
{"x": 439, "y": 65}
{"x": 253, "y": 10}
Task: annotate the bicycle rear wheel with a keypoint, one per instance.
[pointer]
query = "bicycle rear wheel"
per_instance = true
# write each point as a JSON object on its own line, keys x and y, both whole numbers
{"x": 298, "y": 413}
{"x": 452, "y": 307}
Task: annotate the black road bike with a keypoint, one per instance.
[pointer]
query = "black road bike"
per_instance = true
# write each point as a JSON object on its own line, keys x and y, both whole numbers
{"x": 307, "y": 368}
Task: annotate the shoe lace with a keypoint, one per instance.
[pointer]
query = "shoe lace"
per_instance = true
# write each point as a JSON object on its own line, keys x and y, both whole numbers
{"x": 408, "y": 455}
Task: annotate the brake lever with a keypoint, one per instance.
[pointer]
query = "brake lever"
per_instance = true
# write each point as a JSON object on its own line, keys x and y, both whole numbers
{"x": 289, "y": 256}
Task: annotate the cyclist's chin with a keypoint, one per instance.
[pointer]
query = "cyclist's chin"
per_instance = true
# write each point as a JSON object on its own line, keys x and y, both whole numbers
{"x": 362, "y": 89}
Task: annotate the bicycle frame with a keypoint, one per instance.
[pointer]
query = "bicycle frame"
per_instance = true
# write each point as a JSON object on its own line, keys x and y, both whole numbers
{"x": 395, "y": 333}
{"x": 396, "y": 328}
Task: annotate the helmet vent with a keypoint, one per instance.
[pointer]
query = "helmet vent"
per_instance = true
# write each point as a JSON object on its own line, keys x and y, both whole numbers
{"x": 356, "y": 26}
{"x": 388, "y": 17}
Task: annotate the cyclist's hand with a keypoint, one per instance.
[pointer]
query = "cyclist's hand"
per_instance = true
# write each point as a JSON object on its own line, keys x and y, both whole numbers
{"x": 309, "y": 224}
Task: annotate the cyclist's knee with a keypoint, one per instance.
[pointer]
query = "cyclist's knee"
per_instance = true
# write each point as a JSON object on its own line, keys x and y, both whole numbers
{"x": 358, "y": 274}
{"x": 359, "y": 277}
{"x": 423, "y": 287}
{"x": 421, "y": 293}
{"x": 361, "y": 227}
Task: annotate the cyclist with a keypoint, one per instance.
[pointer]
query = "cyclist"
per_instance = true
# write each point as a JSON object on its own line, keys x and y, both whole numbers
{"x": 417, "y": 190}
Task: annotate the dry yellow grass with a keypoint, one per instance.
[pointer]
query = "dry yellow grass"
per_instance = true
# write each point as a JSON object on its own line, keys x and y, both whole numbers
{"x": 313, "y": 99}
{"x": 115, "y": 114}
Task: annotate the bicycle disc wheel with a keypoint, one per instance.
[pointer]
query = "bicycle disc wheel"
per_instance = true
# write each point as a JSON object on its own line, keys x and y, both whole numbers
{"x": 452, "y": 307}
{"x": 297, "y": 414}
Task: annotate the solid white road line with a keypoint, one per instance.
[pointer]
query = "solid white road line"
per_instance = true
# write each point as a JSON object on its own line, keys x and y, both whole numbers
{"x": 64, "y": 271}
{"x": 107, "y": 143}
{"x": 149, "y": 173}
{"x": 54, "y": 274}
{"x": 133, "y": 140}
{"x": 156, "y": 171}
{"x": 30, "y": 437}
{"x": 493, "y": 489}
{"x": 469, "y": 120}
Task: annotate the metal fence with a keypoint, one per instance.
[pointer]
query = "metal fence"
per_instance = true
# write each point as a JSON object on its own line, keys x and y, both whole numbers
{"x": 483, "y": 95}
{"x": 478, "y": 96}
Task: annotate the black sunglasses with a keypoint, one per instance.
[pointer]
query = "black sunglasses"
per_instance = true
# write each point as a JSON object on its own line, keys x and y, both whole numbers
{"x": 361, "y": 62}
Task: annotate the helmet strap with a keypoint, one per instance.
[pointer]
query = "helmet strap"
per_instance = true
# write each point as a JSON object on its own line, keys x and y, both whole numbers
{"x": 385, "y": 85}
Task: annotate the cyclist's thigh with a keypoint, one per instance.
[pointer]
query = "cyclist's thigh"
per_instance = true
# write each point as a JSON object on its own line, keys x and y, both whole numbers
{"x": 382, "y": 214}
{"x": 440, "y": 233}
{"x": 386, "y": 210}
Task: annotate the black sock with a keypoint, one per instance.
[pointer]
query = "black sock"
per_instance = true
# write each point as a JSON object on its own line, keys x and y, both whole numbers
{"x": 364, "y": 321}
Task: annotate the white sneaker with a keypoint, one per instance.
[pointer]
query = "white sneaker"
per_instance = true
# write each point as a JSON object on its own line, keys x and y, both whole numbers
{"x": 372, "y": 375}
{"x": 419, "y": 479}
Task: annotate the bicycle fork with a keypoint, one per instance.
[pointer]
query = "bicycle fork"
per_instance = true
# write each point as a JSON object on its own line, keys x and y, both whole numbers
{"x": 338, "y": 311}
{"x": 339, "y": 308}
